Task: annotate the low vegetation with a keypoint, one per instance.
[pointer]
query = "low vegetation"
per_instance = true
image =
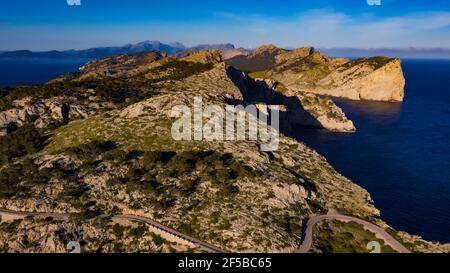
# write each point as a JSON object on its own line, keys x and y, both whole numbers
{"x": 374, "y": 62}
{"x": 177, "y": 70}
{"x": 341, "y": 237}
{"x": 25, "y": 140}
{"x": 155, "y": 175}
{"x": 17, "y": 179}
{"x": 119, "y": 90}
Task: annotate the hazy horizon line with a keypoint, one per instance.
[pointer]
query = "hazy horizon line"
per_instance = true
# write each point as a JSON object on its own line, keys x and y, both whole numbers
{"x": 238, "y": 46}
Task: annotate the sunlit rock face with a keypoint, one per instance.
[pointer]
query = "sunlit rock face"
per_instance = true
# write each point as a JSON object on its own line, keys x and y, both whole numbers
{"x": 306, "y": 70}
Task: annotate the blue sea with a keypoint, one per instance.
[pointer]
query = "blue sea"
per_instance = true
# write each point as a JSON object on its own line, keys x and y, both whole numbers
{"x": 35, "y": 71}
{"x": 400, "y": 153}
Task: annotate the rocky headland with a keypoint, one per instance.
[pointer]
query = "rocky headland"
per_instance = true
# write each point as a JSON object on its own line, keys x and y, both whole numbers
{"x": 112, "y": 153}
{"x": 305, "y": 70}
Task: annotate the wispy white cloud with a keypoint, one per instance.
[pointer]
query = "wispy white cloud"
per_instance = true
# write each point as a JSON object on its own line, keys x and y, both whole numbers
{"x": 325, "y": 28}
{"x": 319, "y": 28}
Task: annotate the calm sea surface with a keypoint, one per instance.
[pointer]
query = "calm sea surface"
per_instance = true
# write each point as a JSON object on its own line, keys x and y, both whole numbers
{"x": 13, "y": 72}
{"x": 401, "y": 151}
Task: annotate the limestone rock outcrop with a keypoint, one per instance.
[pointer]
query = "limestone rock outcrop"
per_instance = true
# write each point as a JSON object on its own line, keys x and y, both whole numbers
{"x": 120, "y": 65}
{"x": 43, "y": 112}
{"x": 363, "y": 81}
{"x": 306, "y": 70}
{"x": 296, "y": 108}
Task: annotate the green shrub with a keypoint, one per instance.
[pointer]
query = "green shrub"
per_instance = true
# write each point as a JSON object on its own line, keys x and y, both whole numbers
{"x": 289, "y": 223}
{"x": 183, "y": 162}
{"x": 16, "y": 179}
{"x": 74, "y": 192}
{"x": 118, "y": 230}
{"x": 158, "y": 240}
{"x": 229, "y": 189}
{"x": 153, "y": 158}
{"x": 295, "y": 228}
{"x": 147, "y": 185}
{"x": 116, "y": 155}
{"x": 180, "y": 69}
{"x": 214, "y": 217}
{"x": 4, "y": 248}
{"x": 25, "y": 140}
{"x": 118, "y": 248}
{"x": 91, "y": 150}
{"x": 189, "y": 186}
{"x": 32, "y": 175}
{"x": 138, "y": 231}
{"x": 186, "y": 229}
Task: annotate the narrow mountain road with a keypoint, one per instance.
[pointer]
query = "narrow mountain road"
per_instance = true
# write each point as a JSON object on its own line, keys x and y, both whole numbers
{"x": 208, "y": 247}
{"x": 304, "y": 248}
{"x": 133, "y": 218}
{"x": 380, "y": 232}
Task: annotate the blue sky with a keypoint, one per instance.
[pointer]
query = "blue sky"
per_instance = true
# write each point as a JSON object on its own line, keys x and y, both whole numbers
{"x": 53, "y": 24}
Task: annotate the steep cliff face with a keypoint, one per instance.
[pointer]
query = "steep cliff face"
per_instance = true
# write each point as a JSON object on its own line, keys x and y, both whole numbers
{"x": 305, "y": 70}
{"x": 364, "y": 80}
{"x": 327, "y": 113}
{"x": 303, "y": 109}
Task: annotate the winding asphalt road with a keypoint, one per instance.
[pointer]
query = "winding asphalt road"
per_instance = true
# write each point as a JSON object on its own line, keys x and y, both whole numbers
{"x": 304, "y": 247}
{"x": 133, "y": 218}
{"x": 380, "y": 232}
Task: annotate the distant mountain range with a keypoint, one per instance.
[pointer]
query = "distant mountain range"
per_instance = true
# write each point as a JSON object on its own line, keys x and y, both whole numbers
{"x": 100, "y": 52}
{"x": 229, "y": 51}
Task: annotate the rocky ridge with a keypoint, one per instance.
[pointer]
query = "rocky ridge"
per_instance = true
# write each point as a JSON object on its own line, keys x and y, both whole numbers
{"x": 144, "y": 70}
